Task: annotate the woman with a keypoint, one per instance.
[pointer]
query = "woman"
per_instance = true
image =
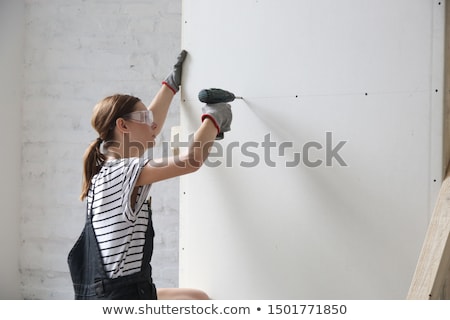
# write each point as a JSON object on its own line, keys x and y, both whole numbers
{"x": 111, "y": 259}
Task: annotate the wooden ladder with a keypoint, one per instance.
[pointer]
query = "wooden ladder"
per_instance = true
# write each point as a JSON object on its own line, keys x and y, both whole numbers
{"x": 431, "y": 280}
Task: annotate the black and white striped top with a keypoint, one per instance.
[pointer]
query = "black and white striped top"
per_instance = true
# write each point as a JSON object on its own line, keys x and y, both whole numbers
{"x": 119, "y": 229}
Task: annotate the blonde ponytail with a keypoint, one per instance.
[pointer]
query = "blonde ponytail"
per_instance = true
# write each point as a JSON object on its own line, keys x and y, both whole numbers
{"x": 93, "y": 160}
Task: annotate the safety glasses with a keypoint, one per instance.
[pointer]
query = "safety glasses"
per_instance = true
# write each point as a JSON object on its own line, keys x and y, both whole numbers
{"x": 143, "y": 116}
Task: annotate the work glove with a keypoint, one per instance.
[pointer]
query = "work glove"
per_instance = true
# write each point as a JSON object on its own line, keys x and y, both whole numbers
{"x": 173, "y": 80}
{"x": 220, "y": 114}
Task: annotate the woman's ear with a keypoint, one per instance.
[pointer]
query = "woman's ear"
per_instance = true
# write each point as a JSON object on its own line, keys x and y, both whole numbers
{"x": 121, "y": 125}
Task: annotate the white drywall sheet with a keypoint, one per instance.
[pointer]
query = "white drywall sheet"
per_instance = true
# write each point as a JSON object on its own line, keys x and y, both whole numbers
{"x": 324, "y": 186}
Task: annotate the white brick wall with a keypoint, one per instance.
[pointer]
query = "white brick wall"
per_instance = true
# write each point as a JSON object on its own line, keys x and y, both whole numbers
{"x": 77, "y": 52}
{"x": 11, "y": 35}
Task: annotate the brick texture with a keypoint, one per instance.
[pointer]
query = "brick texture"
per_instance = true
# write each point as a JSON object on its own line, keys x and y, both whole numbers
{"x": 76, "y": 52}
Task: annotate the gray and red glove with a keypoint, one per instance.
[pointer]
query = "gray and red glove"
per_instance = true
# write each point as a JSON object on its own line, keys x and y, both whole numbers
{"x": 221, "y": 115}
{"x": 173, "y": 80}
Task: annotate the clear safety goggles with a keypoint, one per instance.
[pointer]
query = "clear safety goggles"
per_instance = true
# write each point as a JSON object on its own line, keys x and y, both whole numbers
{"x": 143, "y": 116}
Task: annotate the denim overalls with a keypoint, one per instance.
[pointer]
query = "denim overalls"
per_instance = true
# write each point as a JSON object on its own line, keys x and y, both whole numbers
{"x": 89, "y": 279}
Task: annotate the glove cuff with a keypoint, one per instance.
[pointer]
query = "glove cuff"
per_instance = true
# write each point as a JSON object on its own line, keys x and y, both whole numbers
{"x": 170, "y": 87}
{"x": 204, "y": 116}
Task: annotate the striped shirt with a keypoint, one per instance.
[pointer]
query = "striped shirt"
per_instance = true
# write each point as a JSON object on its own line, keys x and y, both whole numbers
{"x": 119, "y": 226}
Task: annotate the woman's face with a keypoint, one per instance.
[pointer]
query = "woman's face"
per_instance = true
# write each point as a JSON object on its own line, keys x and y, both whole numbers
{"x": 142, "y": 128}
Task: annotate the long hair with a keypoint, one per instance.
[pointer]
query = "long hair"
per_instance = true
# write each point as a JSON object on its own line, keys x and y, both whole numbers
{"x": 103, "y": 120}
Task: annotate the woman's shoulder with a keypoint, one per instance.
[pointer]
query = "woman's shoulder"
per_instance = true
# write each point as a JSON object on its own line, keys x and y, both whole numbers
{"x": 125, "y": 162}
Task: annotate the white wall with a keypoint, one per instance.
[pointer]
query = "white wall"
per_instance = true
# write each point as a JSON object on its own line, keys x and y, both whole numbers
{"x": 367, "y": 72}
{"x": 11, "y": 39}
{"x": 77, "y": 52}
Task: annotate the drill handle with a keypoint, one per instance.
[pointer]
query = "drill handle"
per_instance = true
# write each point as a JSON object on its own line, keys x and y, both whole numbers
{"x": 220, "y": 136}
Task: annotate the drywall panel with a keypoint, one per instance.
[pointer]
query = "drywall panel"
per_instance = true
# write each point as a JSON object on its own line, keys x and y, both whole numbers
{"x": 324, "y": 186}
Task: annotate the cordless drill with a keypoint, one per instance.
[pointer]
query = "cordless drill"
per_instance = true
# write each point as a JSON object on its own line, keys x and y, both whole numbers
{"x": 215, "y": 95}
